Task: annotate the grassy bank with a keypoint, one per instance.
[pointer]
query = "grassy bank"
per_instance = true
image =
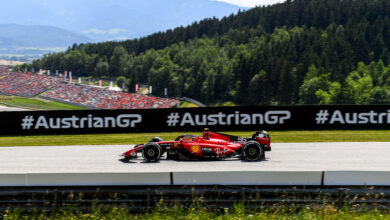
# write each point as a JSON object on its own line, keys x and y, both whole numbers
{"x": 38, "y": 104}
{"x": 136, "y": 138}
{"x": 188, "y": 105}
{"x": 238, "y": 212}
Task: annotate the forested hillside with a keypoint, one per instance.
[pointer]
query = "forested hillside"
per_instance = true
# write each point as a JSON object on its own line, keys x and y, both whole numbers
{"x": 298, "y": 52}
{"x": 102, "y": 20}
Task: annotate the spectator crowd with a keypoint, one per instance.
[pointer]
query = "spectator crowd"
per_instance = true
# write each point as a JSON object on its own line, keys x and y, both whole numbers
{"x": 106, "y": 99}
{"x": 54, "y": 88}
{"x": 27, "y": 85}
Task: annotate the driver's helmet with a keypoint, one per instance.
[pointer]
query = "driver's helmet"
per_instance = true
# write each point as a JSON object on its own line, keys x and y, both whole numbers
{"x": 206, "y": 133}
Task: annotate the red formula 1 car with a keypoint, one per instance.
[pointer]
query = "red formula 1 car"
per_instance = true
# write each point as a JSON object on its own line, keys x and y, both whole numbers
{"x": 211, "y": 145}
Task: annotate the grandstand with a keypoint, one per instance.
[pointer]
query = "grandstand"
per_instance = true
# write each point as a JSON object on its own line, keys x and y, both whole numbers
{"x": 55, "y": 88}
{"x": 26, "y": 85}
{"x": 99, "y": 98}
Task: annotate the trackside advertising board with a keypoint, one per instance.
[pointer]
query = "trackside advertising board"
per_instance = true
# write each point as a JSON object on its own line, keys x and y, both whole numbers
{"x": 196, "y": 119}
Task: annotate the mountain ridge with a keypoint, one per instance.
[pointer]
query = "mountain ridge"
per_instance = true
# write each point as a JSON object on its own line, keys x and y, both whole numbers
{"x": 103, "y": 20}
{"x": 13, "y": 36}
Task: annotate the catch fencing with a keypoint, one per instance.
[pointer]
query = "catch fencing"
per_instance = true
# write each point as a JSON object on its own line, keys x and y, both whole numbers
{"x": 342, "y": 117}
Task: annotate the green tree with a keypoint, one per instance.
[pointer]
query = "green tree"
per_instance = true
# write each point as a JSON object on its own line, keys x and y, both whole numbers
{"x": 380, "y": 95}
{"x": 257, "y": 89}
{"x": 331, "y": 95}
{"x": 120, "y": 61}
{"x": 208, "y": 87}
{"x": 102, "y": 68}
{"x": 287, "y": 85}
{"x": 120, "y": 80}
{"x": 307, "y": 92}
{"x": 358, "y": 88}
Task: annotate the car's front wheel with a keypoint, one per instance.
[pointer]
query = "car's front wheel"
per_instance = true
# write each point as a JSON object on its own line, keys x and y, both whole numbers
{"x": 253, "y": 151}
{"x": 151, "y": 152}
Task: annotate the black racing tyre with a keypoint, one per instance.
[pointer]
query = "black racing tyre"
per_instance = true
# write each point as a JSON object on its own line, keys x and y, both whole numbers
{"x": 253, "y": 151}
{"x": 151, "y": 152}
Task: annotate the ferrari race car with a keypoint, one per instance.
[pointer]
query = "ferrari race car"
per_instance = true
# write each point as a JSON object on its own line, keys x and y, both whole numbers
{"x": 210, "y": 145}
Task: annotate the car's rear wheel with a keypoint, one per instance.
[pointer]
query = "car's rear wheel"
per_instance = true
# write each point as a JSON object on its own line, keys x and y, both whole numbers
{"x": 151, "y": 152}
{"x": 253, "y": 151}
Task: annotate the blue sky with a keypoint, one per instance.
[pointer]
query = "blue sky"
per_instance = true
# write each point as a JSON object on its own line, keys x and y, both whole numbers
{"x": 251, "y": 3}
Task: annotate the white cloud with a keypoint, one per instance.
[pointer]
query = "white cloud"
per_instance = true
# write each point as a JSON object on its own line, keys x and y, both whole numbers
{"x": 117, "y": 31}
{"x": 113, "y": 31}
{"x": 251, "y": 3}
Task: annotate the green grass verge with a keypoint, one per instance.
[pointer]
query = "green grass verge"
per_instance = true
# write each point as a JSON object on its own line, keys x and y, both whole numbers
{"x": 32, "y": 103}
{"x": 137, "y": 138}
{"x": 225, "y": 104}
{"x": 188, "y": 105}
{"x": 239, "y": 212}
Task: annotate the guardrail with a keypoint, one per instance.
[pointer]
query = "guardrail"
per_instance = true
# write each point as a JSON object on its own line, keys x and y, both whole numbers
{"x": 276, "y": 178}
{"x": 140, "y": 198}
{"x": 6, "y": 100}
{"x": 194, "y": 102}
{"x": 214, "y": 190}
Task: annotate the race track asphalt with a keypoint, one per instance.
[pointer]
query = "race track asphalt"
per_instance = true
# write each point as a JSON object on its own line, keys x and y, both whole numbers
{"x": 283, "y": 157}
{"x": 10, "y": 109}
